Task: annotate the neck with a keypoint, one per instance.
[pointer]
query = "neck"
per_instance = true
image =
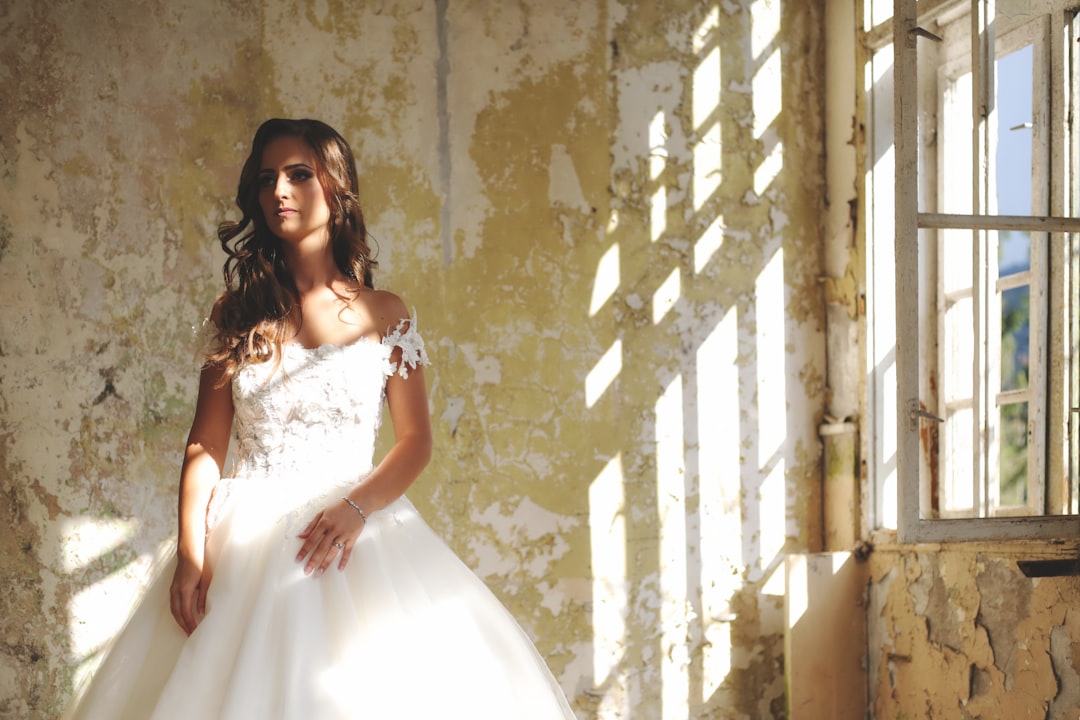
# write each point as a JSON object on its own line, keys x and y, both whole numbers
{"x": 312, "y": 265}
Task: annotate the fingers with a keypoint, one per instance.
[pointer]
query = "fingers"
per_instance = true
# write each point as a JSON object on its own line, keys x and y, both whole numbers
{"x": 323, "y": 555}
{"x": 314, "y": 545}
{"x": 330, "y": 535}
{"x": 340, "y": 548}
{"x": 346, "y": 553}
{"x": 187, "y": 583}
{"x": 310, "y": 526}
{"x": 174, "y": 608}
{"x": 204, "y": 588}
{"x": 181, "y": 601}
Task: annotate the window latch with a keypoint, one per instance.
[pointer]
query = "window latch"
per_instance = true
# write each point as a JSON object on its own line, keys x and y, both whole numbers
{"x": 915, "y": 411}
{"x": 923, "y": 32}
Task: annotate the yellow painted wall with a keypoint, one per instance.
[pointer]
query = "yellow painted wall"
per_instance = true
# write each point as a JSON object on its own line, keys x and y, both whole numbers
{"x": 960, "y": 632}
{"x": 607, "y": 216}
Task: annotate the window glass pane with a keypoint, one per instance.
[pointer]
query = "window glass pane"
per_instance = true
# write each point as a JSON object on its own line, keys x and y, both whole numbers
{"x": 959, "y": 351}
{"x": 1015, "y": 326}
{"x": 1014, "y": 251}
{"x": 958, "y": 492}
{"x": 957, "y": 251}
{"x": 1014, "y": 136}
{"x": 955, "y": 172}
{"x": 1013, "y": 465}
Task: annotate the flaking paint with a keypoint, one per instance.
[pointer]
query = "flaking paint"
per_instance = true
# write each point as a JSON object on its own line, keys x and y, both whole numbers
{"x": 119, "y": 153}
{"x": 961, "y": 633}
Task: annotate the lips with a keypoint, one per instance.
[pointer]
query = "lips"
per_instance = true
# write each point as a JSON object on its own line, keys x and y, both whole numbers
{"x": 285, "y": 212}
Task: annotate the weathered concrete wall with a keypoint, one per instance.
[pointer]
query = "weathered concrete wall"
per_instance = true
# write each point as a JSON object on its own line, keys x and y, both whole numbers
{"x": 118, "y": 145}
{"x": 959, "y": 632}
{"x": 714, "y": 227}
{"x": 607, "y": 217}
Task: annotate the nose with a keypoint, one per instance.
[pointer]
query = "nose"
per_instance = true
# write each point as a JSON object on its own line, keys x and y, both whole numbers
{"x": 281, "y": 186}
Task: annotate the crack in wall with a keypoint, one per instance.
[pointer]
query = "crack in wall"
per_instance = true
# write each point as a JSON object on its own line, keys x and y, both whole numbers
{"x": 442, "y": 74}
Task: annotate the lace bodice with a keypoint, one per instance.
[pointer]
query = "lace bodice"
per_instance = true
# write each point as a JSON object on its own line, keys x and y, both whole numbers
{"x": 314, "y": 418}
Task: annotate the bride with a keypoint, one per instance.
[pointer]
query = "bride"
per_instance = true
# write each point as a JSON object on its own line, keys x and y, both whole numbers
{"x": 306, "y": 585}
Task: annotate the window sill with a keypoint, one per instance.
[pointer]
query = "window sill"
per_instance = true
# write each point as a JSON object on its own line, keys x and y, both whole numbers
{"x": 1032, "y": 547}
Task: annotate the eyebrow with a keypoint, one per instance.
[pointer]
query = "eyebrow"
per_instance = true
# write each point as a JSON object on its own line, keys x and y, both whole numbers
{"x": 287, "y": 167}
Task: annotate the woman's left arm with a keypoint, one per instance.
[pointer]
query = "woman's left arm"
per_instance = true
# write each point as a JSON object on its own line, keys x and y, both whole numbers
{"x": 341, "y": 523}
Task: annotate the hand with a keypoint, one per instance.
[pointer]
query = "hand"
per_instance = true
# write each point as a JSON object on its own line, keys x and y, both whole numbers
{"x": 187, "y": 596}
{"x": 334, "y": 529}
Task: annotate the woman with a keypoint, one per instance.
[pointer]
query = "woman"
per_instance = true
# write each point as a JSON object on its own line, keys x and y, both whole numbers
{"x": 305, "y": 585}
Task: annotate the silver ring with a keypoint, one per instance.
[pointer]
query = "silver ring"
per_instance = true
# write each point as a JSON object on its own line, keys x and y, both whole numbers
{"x": 339, "y": 546}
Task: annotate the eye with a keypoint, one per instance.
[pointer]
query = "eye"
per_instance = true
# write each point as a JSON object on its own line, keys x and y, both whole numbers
{"x": 265, "y": 181}
{"x": 299, "y": 176}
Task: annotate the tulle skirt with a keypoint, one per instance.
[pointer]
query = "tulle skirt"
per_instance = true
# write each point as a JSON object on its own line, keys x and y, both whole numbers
{"x": 405, "y": 632}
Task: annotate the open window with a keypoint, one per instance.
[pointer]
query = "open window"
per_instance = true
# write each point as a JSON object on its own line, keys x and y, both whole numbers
{"x": 972, "y": 267}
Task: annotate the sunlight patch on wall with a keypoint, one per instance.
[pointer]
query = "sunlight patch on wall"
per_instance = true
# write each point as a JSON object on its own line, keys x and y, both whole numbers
{"x": 85, "y": 539}
{"x": 765, "y": 51}
{"x": 767, "y": 95}
{"x": 658, "y": 155}
{"x": 666, "y": 295}
{"x": 603, "y": 373}
{"x": 607, "y": 279}
{"x": 772, "y": 521}
{"x": 85, "y": 544}
{"x": 718, "y": 495}
{"x": 880, "y": 71}
{"x": 708, "y": 157}
{"x": 671, "y": 501}
{"x": 881, "y": 287}
{"x": 770, "y": 167}
{"x": 767, "y": 90}
{"x": 887, "y": 503}
{"x": 610, "y": 588}
{"x": 771, "y": 405}
{"x": 798, "y": 588}
{"x": 769, "y": 295}
{"x": 708, "y": 244}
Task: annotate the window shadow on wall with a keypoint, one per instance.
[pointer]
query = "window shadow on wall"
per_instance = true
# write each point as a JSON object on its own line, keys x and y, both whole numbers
{"x": 708, "y": 315}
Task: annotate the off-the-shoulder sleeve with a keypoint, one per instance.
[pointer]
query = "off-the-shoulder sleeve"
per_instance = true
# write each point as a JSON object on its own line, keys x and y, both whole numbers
{"x": 405, "y": 338}
{"x": 204, "y": 340}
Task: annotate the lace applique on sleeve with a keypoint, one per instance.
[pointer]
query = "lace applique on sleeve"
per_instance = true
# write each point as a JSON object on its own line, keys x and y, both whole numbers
{"x": 404, "y": 337}
{"x": 204, "y": 340}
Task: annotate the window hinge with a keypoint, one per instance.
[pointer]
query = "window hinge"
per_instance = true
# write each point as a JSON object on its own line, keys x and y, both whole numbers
{"x": 915, "y": 411}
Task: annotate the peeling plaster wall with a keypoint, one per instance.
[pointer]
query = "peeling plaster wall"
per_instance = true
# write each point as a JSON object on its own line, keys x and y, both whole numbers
{"x": 962, "y": 633}
{"x": 717, "y": 183}
{"x": 607, "y": 216}
{"x": 118, "y": 136}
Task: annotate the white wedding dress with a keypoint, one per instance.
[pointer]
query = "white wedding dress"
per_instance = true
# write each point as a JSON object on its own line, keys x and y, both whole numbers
{"x": 405, "y": 632}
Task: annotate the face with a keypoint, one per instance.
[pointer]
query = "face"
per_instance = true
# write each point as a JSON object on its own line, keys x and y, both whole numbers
{"x": 290, "y": 194}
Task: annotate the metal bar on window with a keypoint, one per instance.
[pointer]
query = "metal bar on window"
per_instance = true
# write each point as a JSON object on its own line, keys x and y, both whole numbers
{"x": 1026, "y": 223}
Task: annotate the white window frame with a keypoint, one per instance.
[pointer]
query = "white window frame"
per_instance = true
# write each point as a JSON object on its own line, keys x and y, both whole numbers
{"x": 913, "y": 230}
{"x": 982, "y": 482}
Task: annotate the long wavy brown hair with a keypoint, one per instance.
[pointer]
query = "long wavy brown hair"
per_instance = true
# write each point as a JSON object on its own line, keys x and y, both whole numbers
{"x": 259, "y": 310}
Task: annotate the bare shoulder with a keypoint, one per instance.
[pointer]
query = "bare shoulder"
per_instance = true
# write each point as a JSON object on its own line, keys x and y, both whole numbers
{"x": 215, "y": 310}
{"x": 387, "y": 309}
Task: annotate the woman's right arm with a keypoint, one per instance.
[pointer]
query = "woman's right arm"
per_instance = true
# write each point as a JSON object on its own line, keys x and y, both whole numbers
{"x": 204, "y": 459}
